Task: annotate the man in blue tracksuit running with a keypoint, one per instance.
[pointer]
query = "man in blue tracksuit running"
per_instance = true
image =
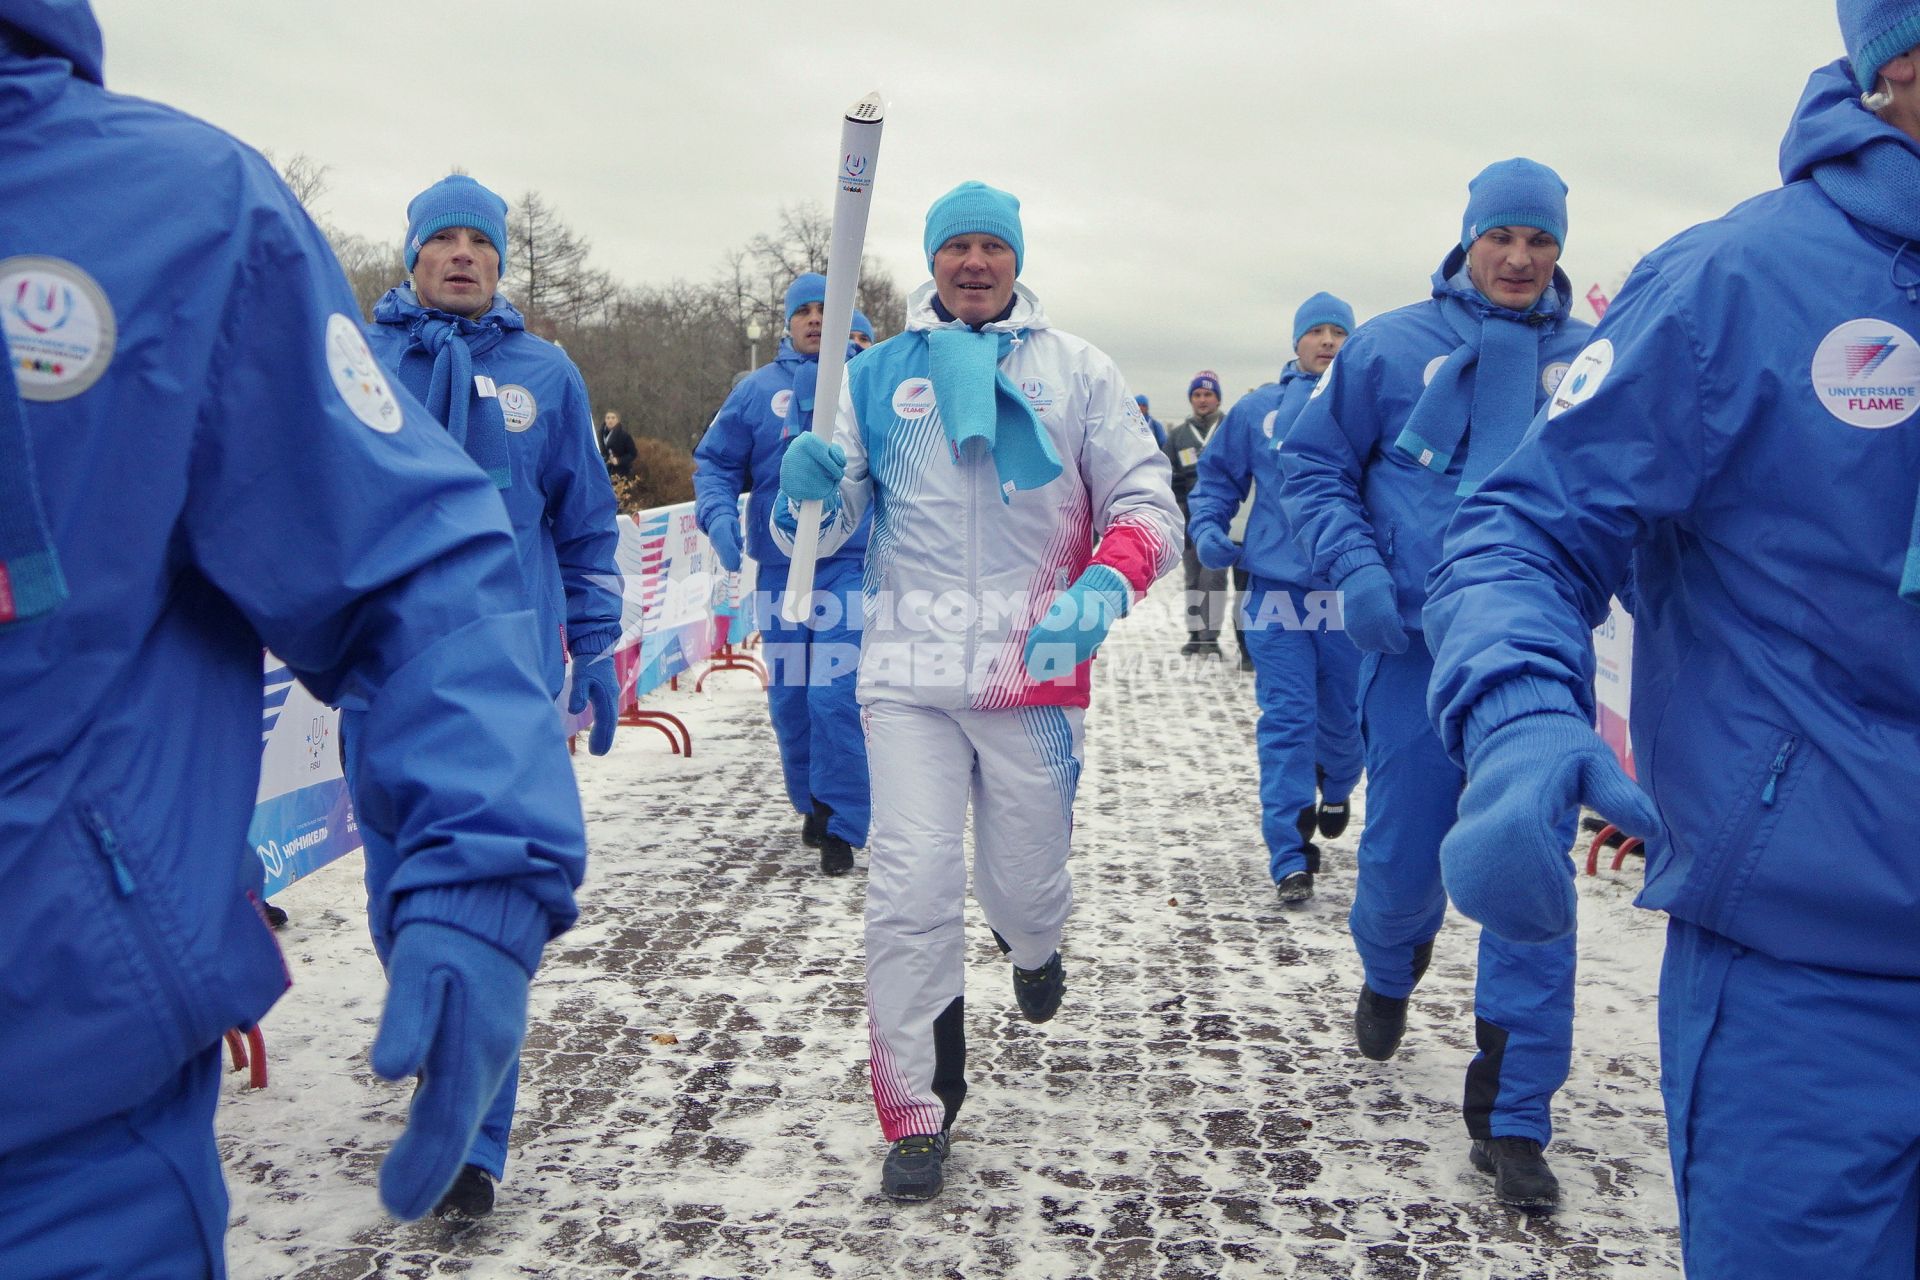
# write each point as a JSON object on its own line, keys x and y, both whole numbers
{"x": 1305, "y": 667}
{"x": 812, "y": 666}
{"x": 1744, "y": 433}
{"x": 199, "y": 454}
{"x": 1421, "y": 404}
{"x": 518, "y": 406}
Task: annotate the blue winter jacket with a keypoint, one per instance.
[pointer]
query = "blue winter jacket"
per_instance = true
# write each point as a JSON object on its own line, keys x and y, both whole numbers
{"x": 560, "y": 503}
{"x": 1746, "y": 425}
{"x": 741, "y": 451}
{"x": 1243, "y": 454}
{"x": 240, "y": 472}
{"x": 1354, "y": 498}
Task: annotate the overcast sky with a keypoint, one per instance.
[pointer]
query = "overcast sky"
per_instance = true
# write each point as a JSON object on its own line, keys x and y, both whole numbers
{"x": 1188, "y": 173}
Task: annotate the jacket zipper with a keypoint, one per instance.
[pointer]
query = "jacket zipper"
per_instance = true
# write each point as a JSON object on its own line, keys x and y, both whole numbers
{"x": 973, "y": 583}
{"x": 1774, "y": 770}
{"x": 153, "y": 948}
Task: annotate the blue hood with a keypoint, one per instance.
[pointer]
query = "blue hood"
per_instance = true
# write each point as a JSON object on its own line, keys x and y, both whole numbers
{"x": 1830, "y": 123}
{"x": 65, "y": 28}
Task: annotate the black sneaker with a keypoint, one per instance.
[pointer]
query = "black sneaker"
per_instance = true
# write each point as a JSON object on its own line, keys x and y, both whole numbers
{"x": 1334, "y": 818}
{"x": 813, "y": 828}
{"x": 1521, "y": 1178}
{"x": 1312, "y": 853}
{"x": 836, "y": 856}
{"x": 1379, "y": 1021}
{"x": 275, "y": 916}
{"x": 469, "y": 1199}
{"x": 1296, "y": 887}
{"x": 1039, "y": 990}
{"x": 1200, "y": 649}
{"x": 1304, "y": 821}
{"x": 912, "y": 1170}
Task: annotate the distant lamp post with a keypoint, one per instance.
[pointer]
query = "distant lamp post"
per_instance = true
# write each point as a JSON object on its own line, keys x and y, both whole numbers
{"x": 754, "y": 333}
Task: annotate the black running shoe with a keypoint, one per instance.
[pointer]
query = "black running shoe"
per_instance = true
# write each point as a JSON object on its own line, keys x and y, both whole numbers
{"x": 1378, "y": 1023}
{"x": 1039, "y": 990}
{"x": 275, "y": 916}
{"x": 469, "y": 1199}
{"x": 1296, "y": 887}
{"x": 913, "y": 1167}
{"x": 1334, "y": 818}
{"x": 1521, "y": 1178}
{"x": 1311, "y": 852}
{"x": 1304, "y": 821}
{"x": 813, "y": 828}
{"x": 836, "y": 856}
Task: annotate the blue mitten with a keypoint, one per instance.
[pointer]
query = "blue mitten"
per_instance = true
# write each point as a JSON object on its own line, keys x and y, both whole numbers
{"x": 812, "y": 468}
{"x": 1076, "y": 623}
{"x": 456, "y": 1012}
{"x": 595, "y": 681}
{"x": 1372, "y": 613}
{"x": 1213, "y": 547}
{"x": 725, "y": 537}
{"x": 1506, "y": 862}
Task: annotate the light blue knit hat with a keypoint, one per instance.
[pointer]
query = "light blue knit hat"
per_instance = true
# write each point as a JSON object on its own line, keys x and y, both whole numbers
{"x": 1321, "y": 308}
{"x": 1515, "y": 193}
{"x": 1876, "y": 32}
{"x": 810, "y": 287}
{"x": 456, "y": 201}
{"x": 861, "y": 324}
{"x": 978, "y": 208}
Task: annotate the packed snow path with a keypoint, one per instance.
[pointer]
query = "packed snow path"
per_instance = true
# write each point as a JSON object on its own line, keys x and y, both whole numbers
{"x": 694, "y": 1097}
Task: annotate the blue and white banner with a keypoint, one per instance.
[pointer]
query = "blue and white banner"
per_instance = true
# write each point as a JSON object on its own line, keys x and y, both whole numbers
{"x": 301, "y": 818}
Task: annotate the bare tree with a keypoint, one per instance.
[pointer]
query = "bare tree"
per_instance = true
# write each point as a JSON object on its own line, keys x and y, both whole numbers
{"x": 304, "y": 176}
{"x": 549, "y": 276}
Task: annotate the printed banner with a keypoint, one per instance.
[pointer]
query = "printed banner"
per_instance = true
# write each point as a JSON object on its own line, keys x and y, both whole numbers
{"x": 1613, "y": 683}
{"x": 301, "y": 818}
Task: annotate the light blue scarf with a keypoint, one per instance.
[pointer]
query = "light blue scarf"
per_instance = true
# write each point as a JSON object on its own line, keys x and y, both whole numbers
{"x": 1488, "y": 381}
{"x": 476, "y": 422}
{"x": 977, "y": 401}
{"x": 30, "y": 580}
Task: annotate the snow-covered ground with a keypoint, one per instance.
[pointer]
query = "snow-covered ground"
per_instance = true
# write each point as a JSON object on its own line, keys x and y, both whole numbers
{"x": 694, "y": 1098}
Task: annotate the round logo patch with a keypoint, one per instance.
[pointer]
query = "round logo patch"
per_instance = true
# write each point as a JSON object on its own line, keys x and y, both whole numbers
{"x": 1866, "y": 373}
{"x": 1583, "y": 378}
{"x": 782, "y": 401}
{"x": 1039, "y": 395}
{"x": 1553, "y": 375}
{"x": 358, "y": 377}
{"x": 58, "y": 324}
{"x": 1433, "y": 367}
{"x": 519, "y": 406}
{"x": 913, "y": 399}
{"x": 1266, "y": 423}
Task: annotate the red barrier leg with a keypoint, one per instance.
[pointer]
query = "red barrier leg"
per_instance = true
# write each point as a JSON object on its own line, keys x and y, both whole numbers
{"x": 1627, "y": 846}
{"x": 258, "y": 1043}
{"x": 236, "y": 1050}
{"x": 1593, "y": 850}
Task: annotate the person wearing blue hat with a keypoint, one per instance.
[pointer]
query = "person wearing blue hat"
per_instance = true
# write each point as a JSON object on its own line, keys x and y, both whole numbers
{"x": 861, "y": 334}
{"x": 1306, "y": 669}
{"x": 1206, "y": 601}
{"x": 1019, "y": 508}
{"x": 1153, "y": 424}
{"x": 1418, "y": 408}
{"x": 518, "y": 406}
{"x": 156, "y": 530}
{"x": 813, "y": 665}
{"x": 1743, "y": 436}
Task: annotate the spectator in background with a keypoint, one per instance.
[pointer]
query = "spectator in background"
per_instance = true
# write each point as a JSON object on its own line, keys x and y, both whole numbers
{"x": 862, "y": 333}
{"x": 153, "y": 536}
{"x": 1206, "y": 602}
{"x": 617, "y": 447}
{"x": 1153, "y": 424}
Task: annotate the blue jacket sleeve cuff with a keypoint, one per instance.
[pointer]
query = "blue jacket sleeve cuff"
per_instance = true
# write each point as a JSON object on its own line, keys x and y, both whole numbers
{"x": 1505, "y": 703}
{"x": 1358, "y": 558}
{"x": 596, "y": 643}
{"x": 493, "y": 911}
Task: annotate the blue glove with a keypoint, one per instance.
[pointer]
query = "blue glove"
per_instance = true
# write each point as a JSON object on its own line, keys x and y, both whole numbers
{"x": 456, "y": 1013}
{"x": 1213, "y": 547}
{"x": 1076, "y": 623}
{"x": 1506, "y": 862}
{"x": 725, "y": 537}
{"x": 1372, "y": 613}
{"x": 811, "y": 469}
{"x": 595, "y": 681}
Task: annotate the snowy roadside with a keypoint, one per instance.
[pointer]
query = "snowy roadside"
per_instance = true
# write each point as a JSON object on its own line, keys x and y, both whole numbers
{"x": 694, "y": 1101}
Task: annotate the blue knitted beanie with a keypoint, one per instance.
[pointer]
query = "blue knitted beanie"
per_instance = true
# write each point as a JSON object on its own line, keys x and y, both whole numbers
{"x": 1515, "y": 193}
{"x": 861, "y": 324}
{"x": 1876, "y": 32}
{"x": 1205, "y": 378}
{"x": 1321, "y": 308}
{"x": 811, "y": 287}
{"x": 978, "y": 208}
{"x": 456, "y": 201}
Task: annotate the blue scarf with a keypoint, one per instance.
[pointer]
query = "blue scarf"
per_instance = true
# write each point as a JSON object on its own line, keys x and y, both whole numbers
{"x": 466, "y": 406}
{"x": 30, "y": 580}
{"x": 1878, "y": 184}
{"x": 1487, "y": 382}
{"x": 806, "y": 380}
{"x": 977, "y": 401}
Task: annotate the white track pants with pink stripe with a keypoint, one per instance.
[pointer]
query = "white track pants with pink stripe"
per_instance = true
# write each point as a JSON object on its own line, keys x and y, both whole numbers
{"x": 1019, "y": 768}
